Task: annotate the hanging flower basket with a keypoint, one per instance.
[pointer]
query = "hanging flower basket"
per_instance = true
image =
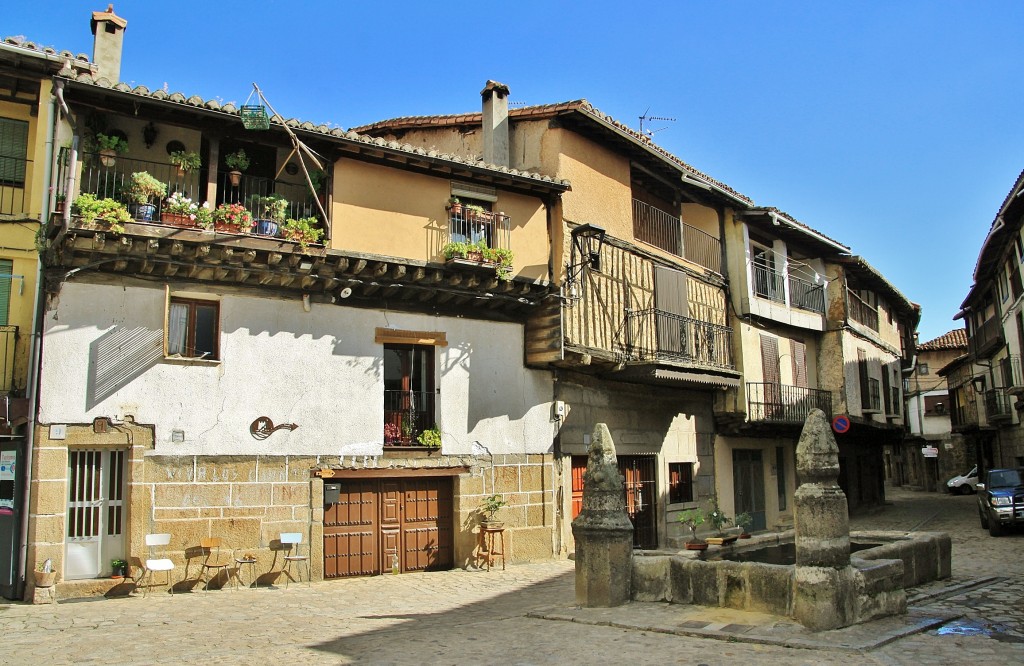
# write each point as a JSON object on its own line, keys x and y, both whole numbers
{"x": 254, "y": 117}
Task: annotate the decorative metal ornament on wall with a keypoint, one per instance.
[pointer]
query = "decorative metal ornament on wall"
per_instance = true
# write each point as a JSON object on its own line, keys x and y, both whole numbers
{"x": 263, "y": 427}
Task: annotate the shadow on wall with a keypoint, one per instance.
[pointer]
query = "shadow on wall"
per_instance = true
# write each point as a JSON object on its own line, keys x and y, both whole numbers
{"x": 119, "y": 356}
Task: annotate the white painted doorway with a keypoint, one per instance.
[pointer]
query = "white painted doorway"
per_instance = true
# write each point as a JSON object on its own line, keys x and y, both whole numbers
{"x": 96, "y": 512}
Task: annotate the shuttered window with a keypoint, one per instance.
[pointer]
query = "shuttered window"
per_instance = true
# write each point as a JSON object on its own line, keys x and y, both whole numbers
{"x": 865, "y": 390}
{"x": 13, "y": 151}
{"x": 6, "y": 268}
{"x": 799, "y": 355}
{"x": 669, "y": 300}
{"x": 770, "y": 359}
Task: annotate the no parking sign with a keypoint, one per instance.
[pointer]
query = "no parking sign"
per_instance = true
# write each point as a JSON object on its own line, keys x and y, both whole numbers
{"x": 841, "y": 423}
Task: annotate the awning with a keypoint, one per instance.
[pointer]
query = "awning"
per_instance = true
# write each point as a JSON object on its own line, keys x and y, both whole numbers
{"x": 660, "y": 375}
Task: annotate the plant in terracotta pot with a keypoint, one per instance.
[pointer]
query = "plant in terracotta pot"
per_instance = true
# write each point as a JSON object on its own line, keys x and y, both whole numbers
{"x": 304, "y": 230}
{"x": 430, "y": 438}
{"x": 455, "y": 206}
{"x": 236, "y": 162}
{"x": 490, "y": 506}
{"x": 718, "y": 520}
{"x": 58, "y": 203}
{"x": 692, "y": 519}
{"x": 185, "y": 160}
{"x": 744, "y": 521}
{"x": 232, "y": 217}
{"x": 141, "y": 192}
{"x": 109, "y": 146}
{"x": 106, "y": 214}
{"x": 502, "y": 260}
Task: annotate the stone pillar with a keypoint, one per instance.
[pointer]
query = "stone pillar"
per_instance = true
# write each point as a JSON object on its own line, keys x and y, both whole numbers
{"x": 603, "y": 531}
{"x": 823, "y": 598}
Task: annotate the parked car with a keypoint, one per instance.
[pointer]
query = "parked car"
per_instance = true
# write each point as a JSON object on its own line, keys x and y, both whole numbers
{"x": 1001, "y": 499}
{"x": 965, "y": 484}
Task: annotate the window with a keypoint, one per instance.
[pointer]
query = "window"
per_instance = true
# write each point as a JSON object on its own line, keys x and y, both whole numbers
{"x": 936, "y": 404}
{"x": 13, "y": 151}
{"x": 680, "y": 482}
{"x": 408, "y": 392}
{"x": 193, "y": 328}
{"x": 1004, "y": 286}
{"x": 922, "y": 368}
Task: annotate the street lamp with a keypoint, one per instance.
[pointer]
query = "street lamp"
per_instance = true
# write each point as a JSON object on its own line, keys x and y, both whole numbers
{"x": 587, "y": 240}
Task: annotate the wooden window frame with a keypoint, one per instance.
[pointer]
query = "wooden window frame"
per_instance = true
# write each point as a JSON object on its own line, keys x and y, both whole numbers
{"x": 190, "y": 326}
{"x": 430, "y": 387}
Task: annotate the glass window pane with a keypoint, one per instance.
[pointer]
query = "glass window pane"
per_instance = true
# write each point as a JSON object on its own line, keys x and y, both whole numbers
{"x": 206, "y": 331}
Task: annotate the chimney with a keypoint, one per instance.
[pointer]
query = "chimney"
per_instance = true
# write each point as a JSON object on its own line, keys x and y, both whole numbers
{"x": 495, "y": 100}
{"x": 108, "y": 35}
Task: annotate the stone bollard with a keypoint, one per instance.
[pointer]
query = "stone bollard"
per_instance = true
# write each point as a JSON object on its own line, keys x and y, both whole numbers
{"x": 824, "y": 597}
{"x": 602, "y": 530}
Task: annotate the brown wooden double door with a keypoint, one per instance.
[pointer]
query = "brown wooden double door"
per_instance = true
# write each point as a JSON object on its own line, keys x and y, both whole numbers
{"x": 376, "y": 520}
{"x": 641, "y": 492}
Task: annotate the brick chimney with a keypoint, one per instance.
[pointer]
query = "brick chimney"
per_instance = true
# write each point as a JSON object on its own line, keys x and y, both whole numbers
{"x": 108, "y": 35}
{"x": 495, "y": 111}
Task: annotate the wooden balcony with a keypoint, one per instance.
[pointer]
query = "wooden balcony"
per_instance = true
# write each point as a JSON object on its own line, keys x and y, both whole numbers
{"x": 861, "y": 312}
{"x": 986, "y": 338}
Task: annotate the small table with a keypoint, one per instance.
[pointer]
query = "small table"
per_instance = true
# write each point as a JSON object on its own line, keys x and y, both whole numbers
{"x": 243, "y": 562}
{"x": 487, "y": 535}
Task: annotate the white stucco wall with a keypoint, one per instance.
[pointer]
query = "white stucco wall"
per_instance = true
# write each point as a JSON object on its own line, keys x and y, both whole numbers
{"x": 320, "y": 369}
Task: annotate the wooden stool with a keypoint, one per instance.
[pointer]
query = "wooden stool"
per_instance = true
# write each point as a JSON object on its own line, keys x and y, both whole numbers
{"x": 487, "y": 535}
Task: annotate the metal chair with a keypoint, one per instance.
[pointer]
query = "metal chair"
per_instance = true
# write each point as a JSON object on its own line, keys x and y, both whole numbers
{"x": 294, "y": 541}
{"x": 156, "y": 544}
{"x": 215, "y": 561}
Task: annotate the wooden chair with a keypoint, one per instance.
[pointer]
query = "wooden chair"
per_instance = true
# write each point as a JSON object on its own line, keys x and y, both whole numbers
{"x": 294, "y": 556}
{"x": 215, "y": 561}
{"x": 156, "y": 544}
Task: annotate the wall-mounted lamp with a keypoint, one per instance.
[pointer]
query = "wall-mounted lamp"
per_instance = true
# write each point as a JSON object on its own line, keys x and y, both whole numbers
{"x": 587, "y": 240}
{"x": 979, "y": 384}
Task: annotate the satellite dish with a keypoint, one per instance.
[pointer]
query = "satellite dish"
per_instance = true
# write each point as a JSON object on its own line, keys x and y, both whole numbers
{"x": 346, "y": 292}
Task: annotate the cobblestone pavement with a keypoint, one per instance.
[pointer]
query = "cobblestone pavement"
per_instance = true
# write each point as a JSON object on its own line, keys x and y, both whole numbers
{"x": 464, "y": 617}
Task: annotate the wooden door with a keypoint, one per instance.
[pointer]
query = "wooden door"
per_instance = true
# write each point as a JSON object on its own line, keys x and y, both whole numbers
{"x": 376, "y": 521}
{"x": 748, "y": 485}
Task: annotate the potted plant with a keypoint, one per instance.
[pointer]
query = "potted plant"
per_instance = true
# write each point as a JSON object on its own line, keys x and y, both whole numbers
{"x": 490, "y": 506}
{"x": 502, "y": 260}
{"x": 455, "y": 206}
{"x": 718, "y": 520}
{"x": 692, "y": 519}
{"x": 101, "y": 213}
{"x": 743, "y": 521}
{"x": 142, "y": 190}
{"x": 304, "y": 230}
{"x": 44, "y": 574}
{"x": 109, "y": 146}
{"x": 181, "y": 211}
{"x": 463, "y": 250}
{"x": 58, "y": 204}
{"x": 232, "y": 217}
{"x": 119, "y": 568}
{"x": 392, "y": 434}
{"x": 269, "y": 212}
{"x": 186, "y": 160}
{"x": 430, "y": 438}
{"x": 236, "y": 162}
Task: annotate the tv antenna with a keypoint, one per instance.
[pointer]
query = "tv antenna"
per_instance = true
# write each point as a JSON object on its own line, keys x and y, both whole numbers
{"x": 645, "y": 117}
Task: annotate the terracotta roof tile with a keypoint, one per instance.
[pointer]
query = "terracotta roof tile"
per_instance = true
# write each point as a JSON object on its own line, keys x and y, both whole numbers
{"x": 955, "y": 339}
{"x": 43, "y": 51}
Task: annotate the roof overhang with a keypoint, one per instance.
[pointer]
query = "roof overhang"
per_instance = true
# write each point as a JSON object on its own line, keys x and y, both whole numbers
{"x": 788, "y": 229}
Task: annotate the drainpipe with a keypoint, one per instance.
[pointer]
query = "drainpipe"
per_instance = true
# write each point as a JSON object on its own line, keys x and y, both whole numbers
{"x": 69, "y": 185}
{"x": 35, "y": 358}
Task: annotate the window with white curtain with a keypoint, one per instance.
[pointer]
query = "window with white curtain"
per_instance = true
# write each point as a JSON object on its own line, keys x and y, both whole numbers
{"x": 193, "y": 328}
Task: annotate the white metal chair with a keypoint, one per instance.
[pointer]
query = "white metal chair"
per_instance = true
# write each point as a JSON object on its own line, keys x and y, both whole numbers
{"x": 293, "y": 556}
{"x": 156, "y": 544}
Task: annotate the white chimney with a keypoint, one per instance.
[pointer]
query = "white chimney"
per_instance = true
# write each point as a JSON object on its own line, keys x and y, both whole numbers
{"x": 495, "y": 111}
{"x": 108, "y": 35}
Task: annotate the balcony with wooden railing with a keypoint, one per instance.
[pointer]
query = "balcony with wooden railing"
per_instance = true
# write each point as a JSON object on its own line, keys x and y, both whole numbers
{"x": 785, "y": 404}
{"x": 656, "y": 335}
{"x": 861, "y": 311}
{"x": 986, "y": 338}
{"x": 667, "y": 232}
{"x": 964, "y": 412}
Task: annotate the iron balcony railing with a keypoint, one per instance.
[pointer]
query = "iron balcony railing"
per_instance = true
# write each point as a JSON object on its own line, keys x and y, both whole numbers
{"x": 13, "y": 172}
{"x": 8, "y": 345}
{"x": 986, "y": 337}
{"x": 1010, "y": 373}
{"x": 806, "y": 295}
{"x": 666, "y": 231}
{"x": 406, "y": 415}
{"x": 113, "y": 181}
{"x": 871, "y": 395}
{"x": 767, "y": 401}
{"x": 768, "y": 283}
{"x": 664, "y": 336}
{"x": 862, "y": 312}
{"x": 493, "y": 230}
{"x": 997, "y": 404}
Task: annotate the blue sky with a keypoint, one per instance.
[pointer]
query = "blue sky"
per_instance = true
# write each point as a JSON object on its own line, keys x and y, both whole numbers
{"x": 893, "y": 127}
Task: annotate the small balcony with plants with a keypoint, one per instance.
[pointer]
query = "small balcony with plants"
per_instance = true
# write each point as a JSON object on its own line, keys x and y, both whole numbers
{"x": 409, "y": 419}
{"x": 114, "y": 191}
{"x": 479, "y": 238}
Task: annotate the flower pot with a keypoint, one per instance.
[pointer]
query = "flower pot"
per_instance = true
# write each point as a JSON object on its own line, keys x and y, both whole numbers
{"x": 181, "y": 172}
{"x": 177, "y": 220}
{"x": 58, "y": 208}
{"x": 492, "y": 524}
{"x": 266, "y": 227}
{"x": 143, "y": 212}
{"x": 236, "y": 178}
{"x": 456, "y": 209}
{"x": 108, "y": 157}
{"x": 722, "y": 540}
{"x": 744, "y": 536}
{"x": 229, "y": 228}
{"x": 45, "y": 579}
{"x": 696, "y": 545}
